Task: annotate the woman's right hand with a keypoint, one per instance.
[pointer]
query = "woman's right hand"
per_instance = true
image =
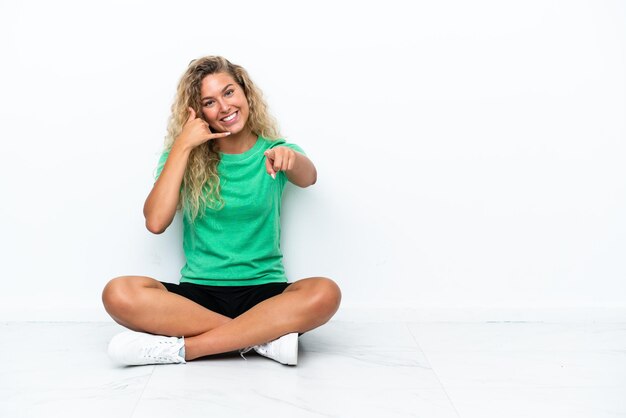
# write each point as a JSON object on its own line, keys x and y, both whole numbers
{"x": 196, "y": 132}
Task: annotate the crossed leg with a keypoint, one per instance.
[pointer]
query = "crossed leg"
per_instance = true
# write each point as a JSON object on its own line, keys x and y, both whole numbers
{"x": 144, "y": 304}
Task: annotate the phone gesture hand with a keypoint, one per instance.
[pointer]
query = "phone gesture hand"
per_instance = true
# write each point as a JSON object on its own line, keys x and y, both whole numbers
{"x": 196, "y": 131}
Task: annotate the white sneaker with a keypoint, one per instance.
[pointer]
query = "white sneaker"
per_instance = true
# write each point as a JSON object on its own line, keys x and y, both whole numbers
{"x": 137, "y": 348}
{"x": 284, "y": 349}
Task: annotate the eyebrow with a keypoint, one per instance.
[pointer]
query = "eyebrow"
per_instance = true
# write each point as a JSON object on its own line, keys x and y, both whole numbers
{"x": 223, "y": 90}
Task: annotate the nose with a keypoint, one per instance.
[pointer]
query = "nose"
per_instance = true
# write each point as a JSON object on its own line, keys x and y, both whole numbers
{"x": 224, "y": 106}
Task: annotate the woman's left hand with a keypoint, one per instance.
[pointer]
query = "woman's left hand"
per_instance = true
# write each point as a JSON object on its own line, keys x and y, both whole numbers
{"x": 279, "y": 159}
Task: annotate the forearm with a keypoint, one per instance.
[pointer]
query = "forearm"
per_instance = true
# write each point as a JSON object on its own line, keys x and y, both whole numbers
{"x": 303, "y": 173}
{"x": 160, "y": 206}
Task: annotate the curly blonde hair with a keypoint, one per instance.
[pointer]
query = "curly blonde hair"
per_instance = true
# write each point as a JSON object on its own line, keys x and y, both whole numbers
{"x": 201, "y": 183}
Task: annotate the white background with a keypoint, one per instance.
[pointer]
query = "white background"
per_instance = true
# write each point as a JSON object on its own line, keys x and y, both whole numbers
{"x": 470, "y": 154}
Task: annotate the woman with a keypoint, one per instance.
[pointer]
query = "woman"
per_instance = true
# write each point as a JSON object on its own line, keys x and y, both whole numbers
{"x": 225, "y": 166}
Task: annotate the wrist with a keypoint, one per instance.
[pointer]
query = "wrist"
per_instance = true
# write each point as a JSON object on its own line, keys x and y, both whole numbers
{"x": 181, "y": 145}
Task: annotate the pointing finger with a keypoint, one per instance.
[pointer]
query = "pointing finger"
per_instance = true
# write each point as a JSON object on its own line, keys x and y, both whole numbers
{"x": 268, "y": 168}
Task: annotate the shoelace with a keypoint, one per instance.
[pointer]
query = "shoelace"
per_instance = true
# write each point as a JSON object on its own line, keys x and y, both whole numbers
{"x": 244, "y": 351}
{"x": 261, "y": 347}
{"x": 157, "y": 351}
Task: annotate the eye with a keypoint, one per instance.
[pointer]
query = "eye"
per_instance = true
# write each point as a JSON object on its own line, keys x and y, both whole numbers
{"x": 208, "y": 103}
{"x": 229, "y": 92}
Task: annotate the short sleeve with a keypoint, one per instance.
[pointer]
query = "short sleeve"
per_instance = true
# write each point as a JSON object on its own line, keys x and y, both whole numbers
{"x": 161, "y": 163}
{"x": 294, "y": 147}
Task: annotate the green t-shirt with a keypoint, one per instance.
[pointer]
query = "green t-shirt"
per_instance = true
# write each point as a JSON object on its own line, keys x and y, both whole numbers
{"x": 238, "y": 245}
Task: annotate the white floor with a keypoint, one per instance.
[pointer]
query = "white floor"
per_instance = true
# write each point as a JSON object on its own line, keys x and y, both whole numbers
{"x": 346, "y": 369}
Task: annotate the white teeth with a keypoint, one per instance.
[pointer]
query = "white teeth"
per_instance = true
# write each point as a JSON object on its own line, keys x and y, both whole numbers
{"x": 229, "y": 118}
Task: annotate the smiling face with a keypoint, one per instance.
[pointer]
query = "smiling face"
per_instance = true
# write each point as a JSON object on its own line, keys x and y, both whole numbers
{"x": 224, "y": 103}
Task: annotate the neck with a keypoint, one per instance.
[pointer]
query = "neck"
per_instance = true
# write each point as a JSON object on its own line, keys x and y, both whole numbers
{"x": 237, "y": 143}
